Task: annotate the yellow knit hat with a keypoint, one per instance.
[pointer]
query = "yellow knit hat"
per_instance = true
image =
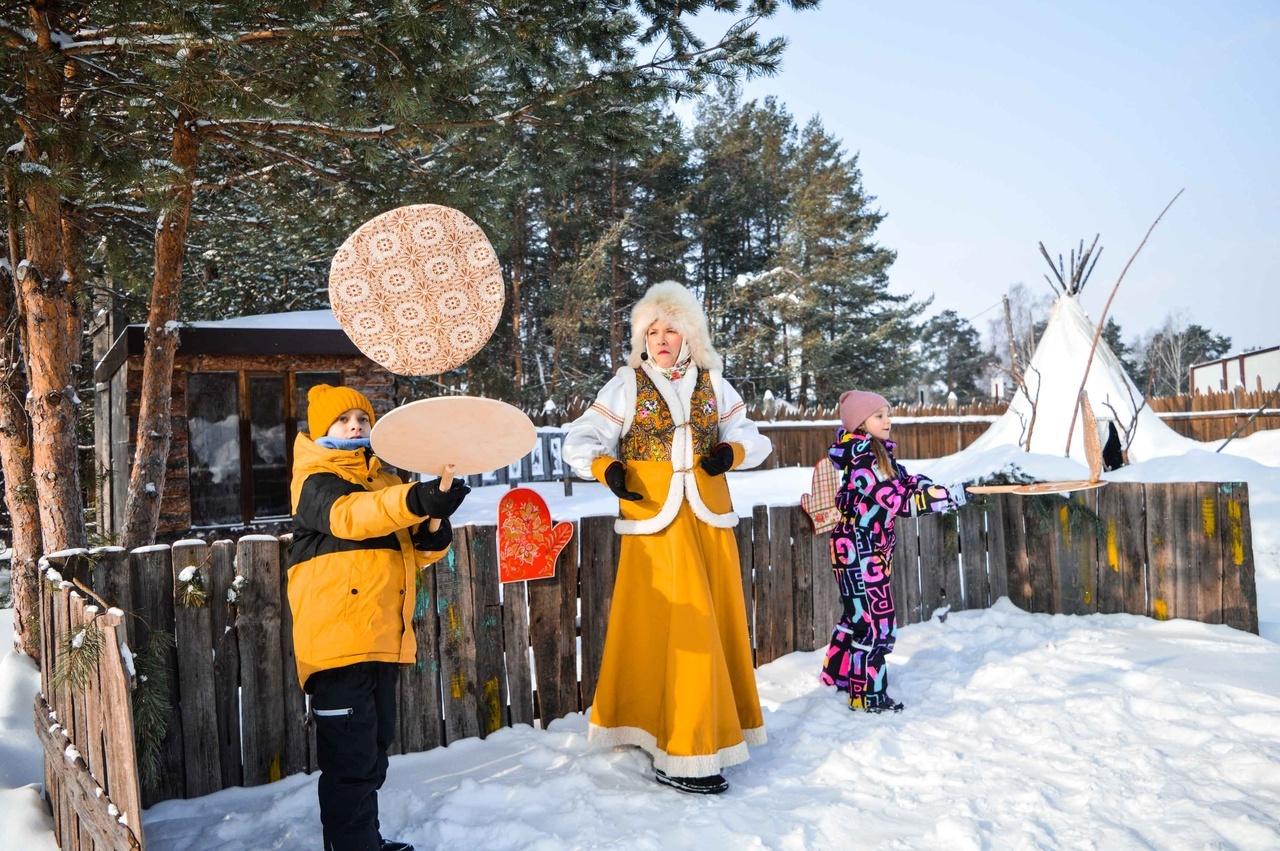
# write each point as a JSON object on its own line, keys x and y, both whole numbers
{"x": 325, "y": 403}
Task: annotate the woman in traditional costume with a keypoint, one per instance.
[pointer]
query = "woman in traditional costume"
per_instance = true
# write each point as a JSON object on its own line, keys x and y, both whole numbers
{"x": 677, "y": 678}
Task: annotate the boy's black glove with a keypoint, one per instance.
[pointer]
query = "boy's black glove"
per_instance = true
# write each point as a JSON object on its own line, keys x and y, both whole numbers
{"x": 433, "y": 541}
{"x": 427, "y": 500}
{"x": 615, "y": 476}
{"x": 719, "y": 462}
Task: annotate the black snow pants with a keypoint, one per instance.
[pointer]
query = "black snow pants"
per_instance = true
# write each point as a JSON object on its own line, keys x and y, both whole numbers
{"x": 354, "y": 708}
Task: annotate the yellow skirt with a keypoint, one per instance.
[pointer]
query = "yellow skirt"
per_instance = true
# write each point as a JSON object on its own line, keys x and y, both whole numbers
{"x": 676, "y": 679}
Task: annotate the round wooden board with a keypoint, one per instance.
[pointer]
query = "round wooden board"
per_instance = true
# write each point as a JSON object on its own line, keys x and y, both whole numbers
{"x": 1033, "y": 488}
{"x": 474, "y": 435}
{"x": 418, "y": 289}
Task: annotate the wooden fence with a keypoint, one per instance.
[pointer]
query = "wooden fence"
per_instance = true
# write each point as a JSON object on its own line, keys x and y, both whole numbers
{"x": 84, "y": 722}
{"x": 491, "y": 655}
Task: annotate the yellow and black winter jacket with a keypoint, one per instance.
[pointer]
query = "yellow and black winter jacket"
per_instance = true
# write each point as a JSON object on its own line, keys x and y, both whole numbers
{"x": 354, "y": 560}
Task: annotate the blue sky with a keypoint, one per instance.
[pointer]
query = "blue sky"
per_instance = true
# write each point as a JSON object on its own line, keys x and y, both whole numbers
{"x": 983, "y": 128}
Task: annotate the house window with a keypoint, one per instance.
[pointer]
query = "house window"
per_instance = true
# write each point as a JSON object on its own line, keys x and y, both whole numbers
{"x": 213, "y": 411}
{"x": 242, "y": 426}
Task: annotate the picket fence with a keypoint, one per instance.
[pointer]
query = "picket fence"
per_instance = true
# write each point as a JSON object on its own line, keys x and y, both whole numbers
{"x": 492, "y": 655}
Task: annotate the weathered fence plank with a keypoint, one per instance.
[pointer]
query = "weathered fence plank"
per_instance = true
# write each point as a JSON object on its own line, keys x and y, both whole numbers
{"x": 262, "y": 688}
{"x": 993, "y": 509}
{"x": 762, "y": 580}
{"x": 153, "y": 599}
{"x": 1160, "y": 544}
{"x": 782, "y": 590}
{"x": 1038, "y": 517}
{"x": 933, "y": 563}
{"x": 553, "y": 604}
{"x": 455, "y": 607}
{"x": 804, "y": 633}
{"x": 194, "y": 637}
{"x": 1207, "y": 555}
{"x": 1239, "y": 593}
{"x": 1121, "y": 571}
{"x": 1076, "y": 555}
{"x": 421, "y": 718}
{"x": 973, "y": 552}
{"x": 118, "y": 729}
{"x": 296, "y": 729}
{"x": 598, "y": 574}
{"x": 490, "y": 671}
{"x": 515, "y": 642}
{"x": 827, "y": 606}
{"x": 742, "y": 534}
{"x": 226, "y": 659}
{"x": 906, "y": 558}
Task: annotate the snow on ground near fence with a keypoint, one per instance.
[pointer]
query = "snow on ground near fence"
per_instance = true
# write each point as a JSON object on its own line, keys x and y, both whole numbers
{"x": 1021, "y": 729}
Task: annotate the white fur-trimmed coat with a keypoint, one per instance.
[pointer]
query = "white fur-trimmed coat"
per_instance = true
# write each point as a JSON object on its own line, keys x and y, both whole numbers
{"x": 598, "y": 433}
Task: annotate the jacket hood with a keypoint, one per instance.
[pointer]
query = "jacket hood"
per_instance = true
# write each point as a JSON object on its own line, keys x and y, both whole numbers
{"x": 672, "y": 302}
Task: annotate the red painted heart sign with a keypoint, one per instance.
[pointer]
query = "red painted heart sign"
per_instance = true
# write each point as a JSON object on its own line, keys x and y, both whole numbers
{"x": 528, "y": 543}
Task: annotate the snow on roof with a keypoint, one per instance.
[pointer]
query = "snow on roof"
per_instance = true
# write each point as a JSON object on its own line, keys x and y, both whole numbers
{"x": 322, "y": 319}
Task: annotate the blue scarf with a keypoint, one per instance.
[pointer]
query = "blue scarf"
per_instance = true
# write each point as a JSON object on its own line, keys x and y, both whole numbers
{"x": 343, "y": 442}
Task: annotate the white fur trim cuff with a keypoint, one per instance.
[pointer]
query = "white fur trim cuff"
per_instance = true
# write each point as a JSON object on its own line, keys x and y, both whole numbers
{"x": 674, "y": 765}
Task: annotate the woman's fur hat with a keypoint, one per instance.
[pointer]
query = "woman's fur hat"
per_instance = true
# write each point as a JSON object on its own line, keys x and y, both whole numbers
{"x": 672, "y": 302}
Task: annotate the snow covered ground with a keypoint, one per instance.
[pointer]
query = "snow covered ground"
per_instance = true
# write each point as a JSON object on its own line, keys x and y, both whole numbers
{"x": 1021, "y": 730}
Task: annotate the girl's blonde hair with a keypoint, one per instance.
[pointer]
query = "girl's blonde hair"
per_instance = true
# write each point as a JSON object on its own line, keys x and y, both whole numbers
{"x": 881, "y": 452}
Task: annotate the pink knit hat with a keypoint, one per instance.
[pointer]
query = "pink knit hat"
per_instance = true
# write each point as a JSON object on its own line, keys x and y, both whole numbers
{"x": 857, "y": 405}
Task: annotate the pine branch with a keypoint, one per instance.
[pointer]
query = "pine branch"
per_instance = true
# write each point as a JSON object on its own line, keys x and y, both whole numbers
{"x": 173, "y": 42}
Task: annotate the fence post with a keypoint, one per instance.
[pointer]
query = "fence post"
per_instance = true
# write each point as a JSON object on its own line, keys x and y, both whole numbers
{"x": 226, "y": 659}
{"x": 803, "y": 634}
{"x": 598, "y": 573}
{"x": 153, "y": 598}
{"x": 194, "y": 637}
{"x": 296, "y": 731}
{"x": 490, "y": 675}
{"x": 1239, "y": 593}
{"x": 454, "y": 603}
{"x": 553, "y": 607}
{"x": 261, "y": 689}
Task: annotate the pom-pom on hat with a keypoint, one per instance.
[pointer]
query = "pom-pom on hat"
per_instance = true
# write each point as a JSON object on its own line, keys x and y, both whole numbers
{"x": 325, "y": 403}
{"x": 857, "y": 405}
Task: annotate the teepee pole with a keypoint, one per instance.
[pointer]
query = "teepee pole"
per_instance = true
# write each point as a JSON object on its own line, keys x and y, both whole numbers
{"x": 1102, "y": 320}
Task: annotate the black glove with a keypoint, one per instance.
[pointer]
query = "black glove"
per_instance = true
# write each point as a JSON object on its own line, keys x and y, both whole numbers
{"x": 435, "y": 541}
{"x": 719, "y": 462}
{"x": 615, "y": 476}
{"x": 427, "y": 500}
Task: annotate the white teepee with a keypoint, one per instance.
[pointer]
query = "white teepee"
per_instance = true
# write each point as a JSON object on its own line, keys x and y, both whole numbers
{"x": 1053, "y": 378}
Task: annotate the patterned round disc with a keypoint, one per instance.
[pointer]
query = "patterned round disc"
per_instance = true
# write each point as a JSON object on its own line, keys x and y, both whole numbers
{"x": 418, "y": 289}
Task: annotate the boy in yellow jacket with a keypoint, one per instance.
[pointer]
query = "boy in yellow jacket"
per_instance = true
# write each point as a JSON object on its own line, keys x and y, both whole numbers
{"x": 360, "y": 537}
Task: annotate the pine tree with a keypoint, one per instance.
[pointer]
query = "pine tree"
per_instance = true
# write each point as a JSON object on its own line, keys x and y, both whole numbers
{"x": 952, "y": 353}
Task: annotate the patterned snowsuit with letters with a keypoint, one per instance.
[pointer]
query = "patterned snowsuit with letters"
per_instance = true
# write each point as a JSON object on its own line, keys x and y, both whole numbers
{"x": 862, "y": 559}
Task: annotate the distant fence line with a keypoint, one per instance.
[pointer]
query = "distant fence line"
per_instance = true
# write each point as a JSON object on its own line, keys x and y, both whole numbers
{"x": 1163, "y": 550}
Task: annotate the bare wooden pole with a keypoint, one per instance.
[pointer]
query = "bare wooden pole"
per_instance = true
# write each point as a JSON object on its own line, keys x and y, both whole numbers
{"x": 1097, "y": 334}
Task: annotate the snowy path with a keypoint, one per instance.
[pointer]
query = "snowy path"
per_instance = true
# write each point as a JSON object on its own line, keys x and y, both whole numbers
{"x": 1021, "y": 731}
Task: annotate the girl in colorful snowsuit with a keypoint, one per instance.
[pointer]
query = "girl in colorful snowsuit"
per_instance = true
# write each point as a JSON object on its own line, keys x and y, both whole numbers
{"x": 677, "y": 678}
{"x": 360, "y": 538}
{"x": 874, "y": 489}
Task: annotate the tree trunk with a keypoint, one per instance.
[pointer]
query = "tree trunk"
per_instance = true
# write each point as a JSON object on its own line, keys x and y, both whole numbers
{"x": 15, "y": 450}
{"x": 48, "y": 306}
{"x": 155, "y": 422}
{"x": 615, "y": 274}
{"x": 517, "y": 278}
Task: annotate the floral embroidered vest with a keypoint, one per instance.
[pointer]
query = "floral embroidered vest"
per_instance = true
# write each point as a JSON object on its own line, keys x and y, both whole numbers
{"x": 652, "y": 429}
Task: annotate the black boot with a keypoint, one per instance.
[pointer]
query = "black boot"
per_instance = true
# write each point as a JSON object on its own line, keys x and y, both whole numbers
{"x": 394, "y": 845}
{"x": 880, "y": 702}
{"x": 713, "y": 785}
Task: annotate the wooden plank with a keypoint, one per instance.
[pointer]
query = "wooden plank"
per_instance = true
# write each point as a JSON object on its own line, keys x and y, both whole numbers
{"x": 1041, "y": 580}
{"x": 1160, "y": 543}
{"x": 1076, "y": 548}
{"x": 1122, "y": 555}
{"x": 827, "y": 606}
{"x": 454, "y": 606}
{"x": 94, "y": 747}
{"x": 296, "y": 754}
{"x": 109, "y": 576}
{"x": 553, "y": 605}
{"x": 973, "y": 551}
{"x": 421, "y": 715}
{"x": 782, "y": 569}
{"x": 153, "y": 600}
{"x": 78, "y": 789}
{"x": 194, "y": 637}
{"x": 118, "y": 729}
{"x": 994, "y": 509}
{"x": 1239, "y": 593}
{"x": 742, "y": 535}
{"x": 262, "y": 727}
{"x": 1207, "y": 555}
{"x": 933, "y": 568}
{"x": 598, "y": 574}
{"x": 1186, "y": 523}
{"x": 804, "y": 635}
{"x": 79, "y": 729}
{"x": 515, "y": 648}
{"x": 1017, "y": 559}
{"x": 907, "y": 558}
{"x": 763, "y": 580}
{"x": 226, "y": 660}
{"x": 490, "y": 671}
{"x": 952, "y": 586}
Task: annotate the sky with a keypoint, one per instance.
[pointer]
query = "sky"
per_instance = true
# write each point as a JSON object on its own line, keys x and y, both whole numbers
{"x": 985, "y": 128}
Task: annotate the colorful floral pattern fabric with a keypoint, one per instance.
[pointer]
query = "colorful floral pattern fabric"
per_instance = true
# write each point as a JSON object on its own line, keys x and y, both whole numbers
{"x": 652, "y": 428}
